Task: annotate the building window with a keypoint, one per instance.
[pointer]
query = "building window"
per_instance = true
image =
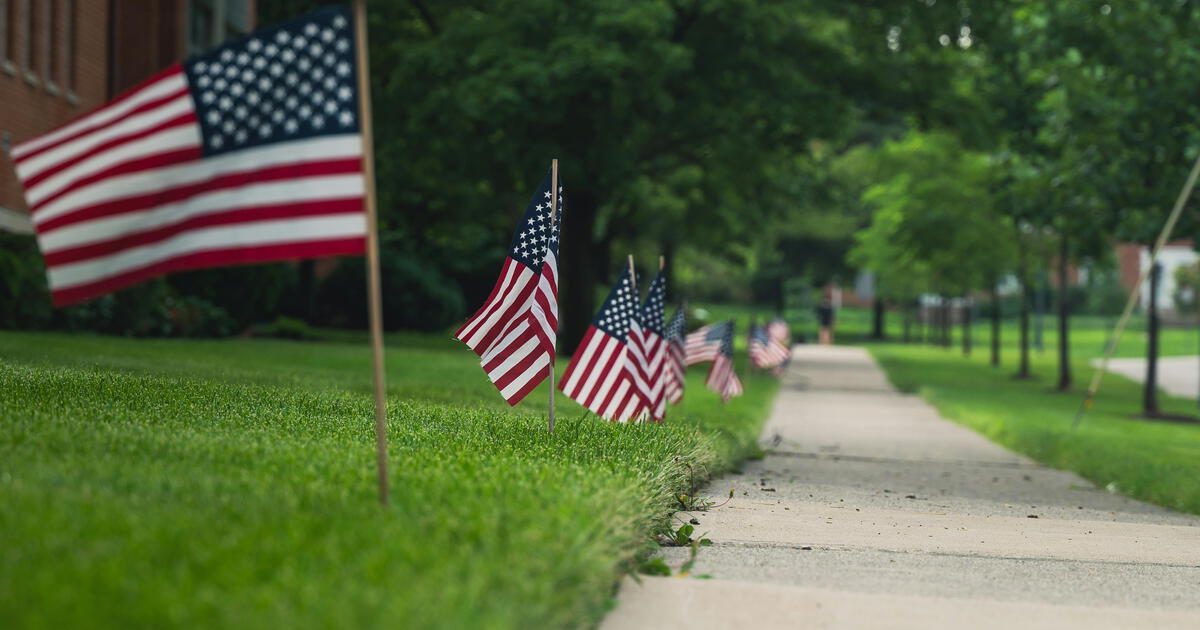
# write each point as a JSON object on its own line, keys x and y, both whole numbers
{"x": 25, "y": 37}
{"x": 6, "y": 38}
{"x": 67, "y": 74}
{"x": 213, "y": 22}
{"x": 47, "y": 53}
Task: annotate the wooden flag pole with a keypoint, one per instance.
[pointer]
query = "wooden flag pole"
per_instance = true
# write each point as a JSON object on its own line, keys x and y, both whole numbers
{"x": 374, "y": 293}
{"x": 632, "y": 271}
{"x": 1180, "y": 202}
{"x": 553, "y": 214}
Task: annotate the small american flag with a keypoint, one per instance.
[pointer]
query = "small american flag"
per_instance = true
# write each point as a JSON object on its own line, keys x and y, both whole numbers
{"x": 779, "y": 331}
{"x": 247, "y": 153}
{"x": 599, "y": 376}
{"x": 704, "y": 343}
{"x": 766, "y": 351}
{"x": 648, "y": 349}
{"x": 676, "y": 362}
{"x": 721, "y": 377}
{"x": 515, "y": 330}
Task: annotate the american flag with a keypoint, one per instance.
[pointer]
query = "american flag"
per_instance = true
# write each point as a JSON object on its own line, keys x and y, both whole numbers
{"x": 721, "y": 377}
{"x": 704, "y": 343}
{"x": 779, "y": 331}
{"x": 515, "y": 331}
{"x": 247, "y": 153}
{"x": 648, "y": 350}
{"x": 766, "y": 351}
{"x": 676, "y": 361}
{"x": 599, "y": 377}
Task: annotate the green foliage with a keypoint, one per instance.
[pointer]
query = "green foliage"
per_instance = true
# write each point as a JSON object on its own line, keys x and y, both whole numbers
{"x": 250, "y": 294}
{"x": 230, "y": 484}
{"x": 415, "y": 295}
{"x": 933, "y": 229}
{"x": 24, "y": 297}
{"x": 287, "y": 328}
{"x": 1187, "y": 288}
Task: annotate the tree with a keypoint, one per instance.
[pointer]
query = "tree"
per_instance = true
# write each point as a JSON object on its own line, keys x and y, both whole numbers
{"x": 934, "y": 229}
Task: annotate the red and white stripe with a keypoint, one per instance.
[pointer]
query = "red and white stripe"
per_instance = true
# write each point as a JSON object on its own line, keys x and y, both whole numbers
{"x": 599, "y": 378}
{"x": 722, "y": 379}
{"x": 674, "y": 370}
{"x": 778, "y": 330}
{"x": 124, "y": 193}
{"x": 700, "y": 348}
{"x": 648, "y": 353}
{"x": 768, "y": 355}
{"x": 522, "y": 353}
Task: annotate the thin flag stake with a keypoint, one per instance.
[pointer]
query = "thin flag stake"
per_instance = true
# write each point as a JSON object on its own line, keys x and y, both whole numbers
{"x": 553, "y": 214}
{"x": 1180, "y": 202}
{"x": 374, "y": 293}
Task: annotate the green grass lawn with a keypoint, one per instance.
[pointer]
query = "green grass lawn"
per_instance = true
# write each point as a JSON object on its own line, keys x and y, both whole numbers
{"x": 168, "y": 483}
{"x": 1150, "y": 460}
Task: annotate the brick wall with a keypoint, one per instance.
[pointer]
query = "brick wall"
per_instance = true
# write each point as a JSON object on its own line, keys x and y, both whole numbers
{"x": 30, "y": 105}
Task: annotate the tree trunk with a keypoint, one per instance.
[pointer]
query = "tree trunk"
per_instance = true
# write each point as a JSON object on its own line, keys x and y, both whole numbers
{"x": 1064, "y": 318}
{"x": 908, "y": 316}
{"x": 1150, "y": 389}
{"x": 1023, "y": 370}
{"x": 995, "y": 326}
{"x": 877, "y": 329}
{"x": 578, "y": 270}
{"x": 966, "y": 327}
{"x": 947, "y": 323}
{"x": 307, "y": 290}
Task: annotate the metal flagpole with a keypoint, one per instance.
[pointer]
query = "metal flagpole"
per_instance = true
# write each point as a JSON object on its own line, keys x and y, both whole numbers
{"x": 553, "y": 213}
{"x": 1180, "y": 202}
{"x": 375, "y": 299}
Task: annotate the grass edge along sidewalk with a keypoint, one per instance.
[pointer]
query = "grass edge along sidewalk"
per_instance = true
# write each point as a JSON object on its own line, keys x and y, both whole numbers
{"x": 1153, "y": 461}
{"x": 169, "y": 483}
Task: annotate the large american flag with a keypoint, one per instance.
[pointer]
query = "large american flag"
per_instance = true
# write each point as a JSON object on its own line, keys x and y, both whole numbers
{"x": 704, "y": 343}
{"x": 599, "y": 376}
{"x": 515, "y": 331}
{"x": 766, "y": 351}
{"x": 648, "y": 350}
{"x": 247, "y": 153}
{"x": 676, "y": 365}
{"x": 721, "y": 377}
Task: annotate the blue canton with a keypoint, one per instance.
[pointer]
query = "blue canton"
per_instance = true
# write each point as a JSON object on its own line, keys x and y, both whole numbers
{"x": 536, "y": 234}
{"x": 677, "y": 327}
{"x": 652, "y": 310}
{"x": 726, "y": 330}
{"x": 293, "y": 81}
{"x": 621, "y": 305}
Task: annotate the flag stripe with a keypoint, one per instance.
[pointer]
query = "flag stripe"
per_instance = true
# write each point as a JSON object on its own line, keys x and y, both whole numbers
{"x": 508, "y": 273}
{"x": 320, "y": 182}
{"x": 168, "y": 82}
{"x": 214, "y": 258}
{"x": 218, "y": 238}
{"x": 146, "y": 189}
{"x": 86, "y": 145}
{"x": 239, "y": 215}
{"x": 126, "y": 155}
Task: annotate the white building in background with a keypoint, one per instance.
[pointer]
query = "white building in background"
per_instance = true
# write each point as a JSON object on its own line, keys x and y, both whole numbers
{"x": 1173, "y": 256}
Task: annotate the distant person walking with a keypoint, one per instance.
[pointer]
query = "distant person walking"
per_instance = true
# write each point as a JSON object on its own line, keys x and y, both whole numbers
{"x": 825, "y": 317}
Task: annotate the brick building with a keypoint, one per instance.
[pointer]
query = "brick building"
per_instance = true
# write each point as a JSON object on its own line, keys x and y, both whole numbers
{"x": 62, "y": 58}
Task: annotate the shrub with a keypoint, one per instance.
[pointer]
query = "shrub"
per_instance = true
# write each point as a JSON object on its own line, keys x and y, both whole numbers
{"x": 415, "y": 294}
{"x": 24, "y": 296}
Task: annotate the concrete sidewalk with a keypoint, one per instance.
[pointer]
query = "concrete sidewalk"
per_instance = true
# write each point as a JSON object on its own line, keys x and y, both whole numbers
{"x": 1178, "y": 376}
{"x": 871, "y": 511}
